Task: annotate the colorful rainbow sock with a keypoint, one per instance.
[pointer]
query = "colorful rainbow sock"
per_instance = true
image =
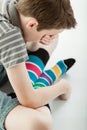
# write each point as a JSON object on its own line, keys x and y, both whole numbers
{"x": 48, "y": 77}
{"x": 36, "y": 63}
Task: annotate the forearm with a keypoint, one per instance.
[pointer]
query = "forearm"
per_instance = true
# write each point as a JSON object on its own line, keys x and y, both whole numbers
{"x": 46, "y": 94}
{"x": 41, "y": 96}
{"x": 25, "y": 92}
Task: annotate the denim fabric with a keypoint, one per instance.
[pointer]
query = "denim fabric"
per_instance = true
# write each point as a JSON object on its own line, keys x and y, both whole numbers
{"x": 6, "y": 105}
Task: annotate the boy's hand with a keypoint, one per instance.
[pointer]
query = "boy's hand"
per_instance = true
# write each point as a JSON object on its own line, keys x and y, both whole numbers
{"x": 47, "y": 39}
{"x": 66, "y": 89}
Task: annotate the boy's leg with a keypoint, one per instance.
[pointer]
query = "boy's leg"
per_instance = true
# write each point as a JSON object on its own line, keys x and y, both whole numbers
{"x": 48, "y": 77}
{"x": 36, "y": 63}
{"x": 14, "y": 116}
{"x": 39, "y": 55}
{"x": 29, "y": 119}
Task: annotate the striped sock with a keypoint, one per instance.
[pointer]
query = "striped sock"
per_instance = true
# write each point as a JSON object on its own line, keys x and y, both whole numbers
{"x": 48, "y": 77}
{"x": 36, "y": 63}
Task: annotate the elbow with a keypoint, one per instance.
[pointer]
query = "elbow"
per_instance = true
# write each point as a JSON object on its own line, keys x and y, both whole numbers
{"x": 32, "y": 103}
{"x": 31, "y": 100}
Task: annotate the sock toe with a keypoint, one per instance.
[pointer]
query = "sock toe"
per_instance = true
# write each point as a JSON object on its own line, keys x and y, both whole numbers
{"x": 69, "y": 62}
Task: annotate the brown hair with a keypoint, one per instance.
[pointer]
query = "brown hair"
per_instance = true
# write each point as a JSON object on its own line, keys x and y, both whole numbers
{"x": 50, "y": 14}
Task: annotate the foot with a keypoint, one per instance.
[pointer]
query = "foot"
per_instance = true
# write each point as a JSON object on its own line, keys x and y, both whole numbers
{"x": 69, "y": 63}
{"x": 65, "y": 64}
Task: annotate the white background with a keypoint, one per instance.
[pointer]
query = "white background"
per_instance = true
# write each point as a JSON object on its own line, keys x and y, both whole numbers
{"x": 72, "y": 114}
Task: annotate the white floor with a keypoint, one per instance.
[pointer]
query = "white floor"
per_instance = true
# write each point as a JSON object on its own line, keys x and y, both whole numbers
{"x": 72, "y": 114}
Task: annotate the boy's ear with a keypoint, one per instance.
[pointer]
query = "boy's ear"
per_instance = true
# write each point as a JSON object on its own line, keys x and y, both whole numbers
{"x": 32, "y": 23}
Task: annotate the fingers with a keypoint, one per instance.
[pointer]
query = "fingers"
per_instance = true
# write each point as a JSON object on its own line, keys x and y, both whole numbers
{"x": 53, "y": 36}
{"x": 66, "y": 90}
{"x": 47, "y": 39}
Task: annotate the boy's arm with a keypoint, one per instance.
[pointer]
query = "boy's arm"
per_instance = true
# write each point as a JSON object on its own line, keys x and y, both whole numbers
{"x": 26, "y": 94}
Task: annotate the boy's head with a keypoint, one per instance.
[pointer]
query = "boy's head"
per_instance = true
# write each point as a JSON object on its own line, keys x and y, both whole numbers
{"x": 47, "y": 14}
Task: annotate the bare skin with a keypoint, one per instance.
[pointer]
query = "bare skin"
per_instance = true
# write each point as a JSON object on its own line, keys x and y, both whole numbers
{"x": 29, "y": 119}
{"x": 33, "y": 119}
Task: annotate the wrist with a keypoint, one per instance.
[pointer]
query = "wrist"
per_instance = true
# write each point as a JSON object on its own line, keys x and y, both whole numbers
{"x": 64, "y": 86}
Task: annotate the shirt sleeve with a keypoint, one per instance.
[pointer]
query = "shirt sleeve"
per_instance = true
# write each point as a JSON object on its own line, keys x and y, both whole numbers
{"x": 12, "y": 47}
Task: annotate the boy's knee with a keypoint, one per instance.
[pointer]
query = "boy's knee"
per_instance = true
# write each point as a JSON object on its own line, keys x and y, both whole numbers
{"x": 39, "y": 123}
{"x": 28, "y": 120}
{"x": 45, "y": 123}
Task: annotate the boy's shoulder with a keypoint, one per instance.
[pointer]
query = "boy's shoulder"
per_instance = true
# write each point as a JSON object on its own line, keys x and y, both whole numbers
{"x": 8, "y": 12}
{"x": 4, "y": 26}
{"x": 4, "y": 7}
{"x": 8, "y": 17}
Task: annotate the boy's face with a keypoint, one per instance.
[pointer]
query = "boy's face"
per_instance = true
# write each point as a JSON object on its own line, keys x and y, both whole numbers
{"x": 36, "y": 36}
{"x": 29, "y": 26}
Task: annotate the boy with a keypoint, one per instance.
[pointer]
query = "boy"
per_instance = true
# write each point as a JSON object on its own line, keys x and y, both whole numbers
{"x": 20, "y": 22}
